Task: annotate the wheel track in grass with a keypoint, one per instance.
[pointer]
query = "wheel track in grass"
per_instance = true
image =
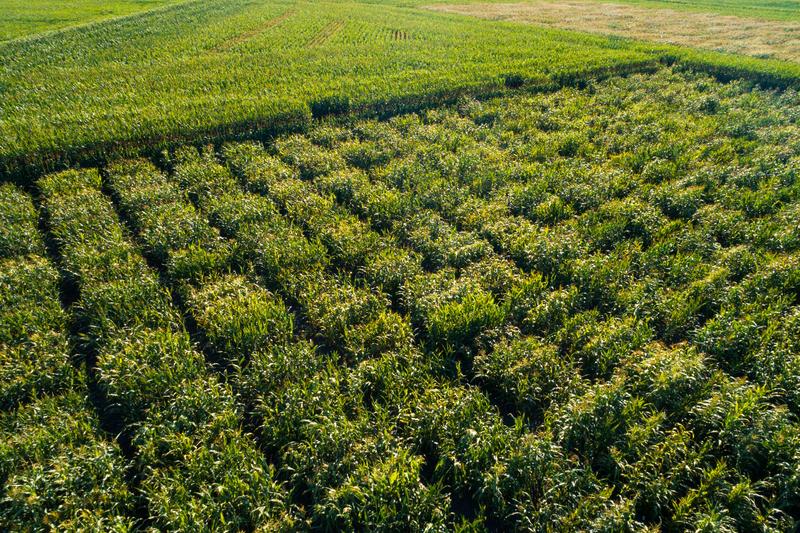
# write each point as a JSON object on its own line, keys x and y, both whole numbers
{"x": 255, "y": 32}
{"x": 325, "y": 34}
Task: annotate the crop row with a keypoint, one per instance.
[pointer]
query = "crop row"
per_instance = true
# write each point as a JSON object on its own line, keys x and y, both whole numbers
{"x": 34, "y": 332}
{"x": 290, "y": 386}
{"x": 682, "y": 252}
{"x": 56, "y": 465}
{"x": 192, "y": 464}
{"x": 574, "y": 310}
{"x": 666, "y": 390}
{"x": 669, "y": 385}
{"x": 312, "y": 417}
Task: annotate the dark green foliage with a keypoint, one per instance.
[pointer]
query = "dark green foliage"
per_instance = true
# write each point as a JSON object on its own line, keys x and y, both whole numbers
{"x": 205, "y": 471}
{"x": 231, "y": 212}
{"x": 34, "y": 349}
{"x": 332, "y": 105}
{"x": 390, "y": 268}
{"x": 28, "y": 299}
{"x": 619, "y": 220}
{"x": 536, "y": 487}
{"x": 310, "y": 160}
{"x": 271, "y": 369}
{"x": 222, "y": 484}
{"x": 334, "y": 306}
{"x": 280, "y": 252}
{"x": 144, "y": 369}
{"x": 386, "y": 333}
{"x": 673, "y": 380}
{"x": 457, "y": 325}
{"x": 40, "y": 366}
{"x": 462, "y": 436}
{"x": 163, "y": 226}
{"x": 600, "y": 347}
{"x": 94, "y": 246}
{"x": 349, "y": 241}
{"x": 181, "y": 422}
{"x": 255, "y": 167}
{"x": 439, "y": 244}
{"x": 69, "y": 182}
{"x": 57, "y": 469}
{"x": 386, "y": 496}
{"x": 81, "y": 488}
{"x": 199, "y": 261}
{"x": 108, "y": 309}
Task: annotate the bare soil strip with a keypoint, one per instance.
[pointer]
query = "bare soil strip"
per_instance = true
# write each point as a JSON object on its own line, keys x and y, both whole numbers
{"x": 760, "y": 38}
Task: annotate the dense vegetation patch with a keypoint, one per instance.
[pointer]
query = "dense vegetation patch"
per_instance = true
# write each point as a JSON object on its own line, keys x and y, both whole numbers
{"x": 236, "y": 69}
{"x": 572, "y": 311}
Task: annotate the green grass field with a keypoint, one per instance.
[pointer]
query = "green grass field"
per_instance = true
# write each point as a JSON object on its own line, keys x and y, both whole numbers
{"x": 765, "y": 9}
{"x": 788, "y": 10}
{"x": 359, "y": 266}
{"x": 217, "y": 67}
{"x": 28, "y": 18}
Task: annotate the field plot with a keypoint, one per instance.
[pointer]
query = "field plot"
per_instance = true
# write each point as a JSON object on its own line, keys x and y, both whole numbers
{"x": 735, "y": 34}
{"x": 574, "y": 310}
{"x": 27, "y": 18}
{"x": 240, "y": 69}
{"x": 763, "y": 9}
{"x": 225, "y": 68}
